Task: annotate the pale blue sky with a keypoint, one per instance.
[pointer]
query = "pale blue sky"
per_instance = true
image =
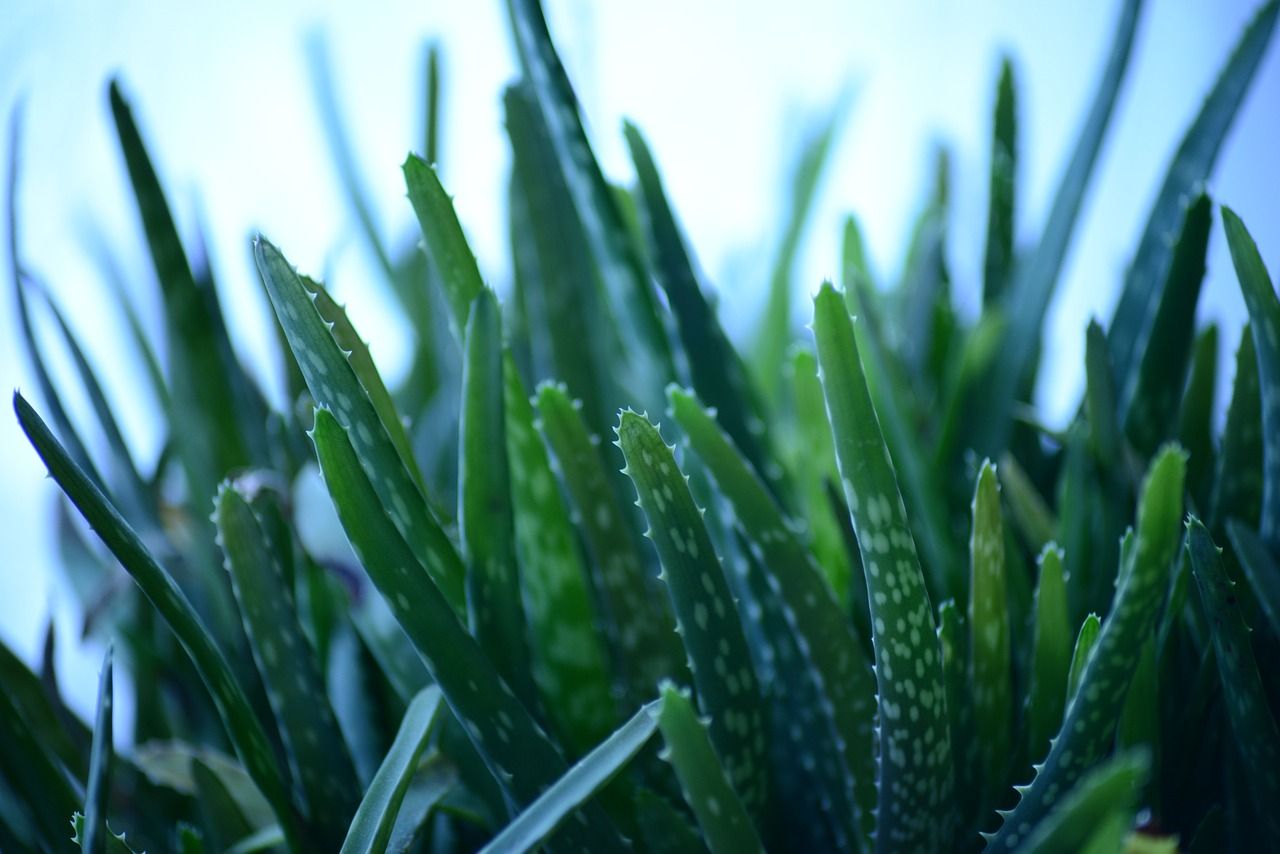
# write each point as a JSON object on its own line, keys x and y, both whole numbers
{"x": 720, "y": 88}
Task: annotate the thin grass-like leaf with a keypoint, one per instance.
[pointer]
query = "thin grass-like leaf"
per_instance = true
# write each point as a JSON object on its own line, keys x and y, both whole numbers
{"x": 101, "y": 758}
{"x": 320, "y": 761}
{"x": 587, "y": 777}
{"x": 1001, "y": 207}
{"x": 1050, "y": 654}
{"x": 1093, "y": 710}
{"x": 706, "y": 616}
{"x": 1237, "y": 480}
{"x": 915, "y": 785}
{"x": 846, "y": 686}
{"x": 517, "y": 752}
{"x": 334, "y": 383}
{"x": 242, "y": 726}
{"x": 375, "y": 818}
{"x": 1192, "y": 164}
{"x": 1264, "y": 314}
{"x": 1195, "y": 417}
{"x": 726, "y": 827}
{"x": 1252, "y": 723}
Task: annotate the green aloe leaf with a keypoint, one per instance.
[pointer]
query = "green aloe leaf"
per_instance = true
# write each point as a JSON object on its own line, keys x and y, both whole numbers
{"x": 1085, "y": 640}
{"x": 334, "y": 383}
{"x": 1260, "y": 567}
{"x": 431, "y": 114}
{"x": 1237, "y": 480}
{"x": 1100, "y": 405}
{"x": 375, "y": 819}
{"x": 158, "y": 586}
{"x": 953, "y": 644}
{"x": 915, "y": 775}
{"x": 1264, "y": 315}
{"x": 706, "y": 616}
{"x": 726, "y": 826}
{"x": 113, "y": 843}
{"x": 629, "y": 291}
{"x": 640, "y": 621}
{"x": 1195, "y": 417}
{"x": 517, "y": 752}
{"x": 1031, "y": 288}
{"x": 1149, "y": 394}
{"x": 1031, "y": 514}
{"x": 775, "y": 333}
{"x": 1252, "y": 723}
{"x": 990, "y": 665}
{"x": 717, "y": 371}
{"x": 319, "y": 758}
{"x": 485, "y": 512}
{"x": 1093, "y": 711}
{"x": 842, "y": 675}
{"x": 587, "y": 777}
{"x": 1002, "y": 197}
{"x": 570, "y": 661}
{"x": 1050, "y": 654}
{"x": 1111, "y": 789}
{"x": 101, "y": 757}
{"x": 223, "y": 817}
{"x": 1192, "y": 164}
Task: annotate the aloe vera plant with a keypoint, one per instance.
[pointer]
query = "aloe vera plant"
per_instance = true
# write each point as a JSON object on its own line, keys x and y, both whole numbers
{"x": 849, "y": 595}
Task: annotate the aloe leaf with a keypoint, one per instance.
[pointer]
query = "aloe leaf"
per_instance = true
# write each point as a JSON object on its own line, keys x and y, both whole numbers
{"x": 1195, "y": 416}
{"x": 216, "y": 415}
{"x": 706, "y": 616}
{"x": 915, "y": 784}
{"x": 434, "y": 782}
{"x": 775, "y": 333}
{"x": 1139, "y": 718}
{"x": 1192, "y": 164}
{"x": 320, "y": 761}
{"x": 1093, "y": 710}
{"x": 431, "y": 113}
{"x": 334, "y": 383}
{"x": 953, "y": 645}
{"x": 101, "y": 758}
{"x": 113, "y": 843}
{"x": 62, "y": 737}
{"x": 1237, "y": 480}
{"x": 663, "y": 828}
{"x": 223, "y": 818}
{"x": 1002, "y": 197}
{"x": 1252, "y": 723}
{"x": 1150, "y": 392}
{"x": 1031, "y": 288}
{"x": 1100, "y": 402}
{"x": 1264, "y": 315}
{"x": 1031, "y": 514}
{"x": 716, "y": 369}
{"x": 990, "y": 667}
{"x": 158, "y": 586}
{"x": 845, "y": 684}
{"x": 570, "y": 663}
{"x": 485, "y": 512}
{"x": 1050, "y": 654}
{"x": 366, "y": 372}
{"x": 1260, "y": 567}
{"x": 376, "y": 816}
{"x": 587, "y": 777}
{"x": 515, "y": 749}
{"x": 1085, "y": 640}
{"x": 629, "y": 292}
{"x": 1110, "y": 789}
{"x": 726, "y": 827}
{"x": 34, "y": 775}
{"x": 640, "y": 619}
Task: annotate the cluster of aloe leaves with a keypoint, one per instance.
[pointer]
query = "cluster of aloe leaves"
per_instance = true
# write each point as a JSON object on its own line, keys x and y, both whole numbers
{"x": 879, "y": 606}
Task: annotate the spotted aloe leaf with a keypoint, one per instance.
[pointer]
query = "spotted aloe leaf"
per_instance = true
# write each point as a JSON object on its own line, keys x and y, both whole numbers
{"x": 990, "y": 667}
{"x": 726, "y": 826}
{"x": 1264, "y": 314}
{"x": 915, "y": 779}
{"x": 1192, "y": 164}
{"x": 1252, "y": 724}
{"x": 591, "y": 773}
{"x": 1092, "y": 712}
{"x": 845, "y": 684}
{"x": 715, "y": 367}
{"x": 319, "y": 758}
{"x": 1110, "y": 789}
{"x": 485, "y": 512}
{"x": 1237, "y": 479}
{"x": 570, "y": 662}
{"x": 1050, "y": 654}
{"x": 1001, "y": 208}
{"x": 242, "y": 726}
{"x": 334, "y": 383}
{"x": 375, "y": 819}
{"x": 102, "y": 756}
{"x": 953, "y": 644}
{"x": 640, "y": 622}
{"x": 706, "y": 616}
{"x": 517, "y": 752}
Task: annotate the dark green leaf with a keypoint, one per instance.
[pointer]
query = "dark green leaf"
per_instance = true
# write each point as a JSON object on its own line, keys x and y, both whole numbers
{"x": 1195, "y": 417}
{"x": 990, "y": 664}
{"x": 1108, "y": 790}
{"x": 1237, "y": 481}
{"x": 1050, "y": 654}
{"x": 101, "y": 758}
{"x": 1261, "y": 569}
{"x": 1001, "y": 207}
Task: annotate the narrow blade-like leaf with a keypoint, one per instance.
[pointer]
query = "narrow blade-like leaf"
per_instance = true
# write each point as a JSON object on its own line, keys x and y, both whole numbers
{"x": 1050, "y": 655}
{"x": 990, "y": 667}
{"x": 101, "y": 758}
